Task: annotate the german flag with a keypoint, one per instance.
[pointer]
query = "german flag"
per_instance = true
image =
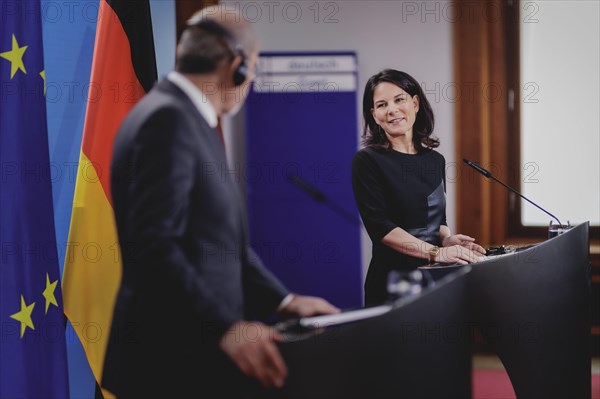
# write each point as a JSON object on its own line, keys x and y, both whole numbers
{"x": 123, "y": 70}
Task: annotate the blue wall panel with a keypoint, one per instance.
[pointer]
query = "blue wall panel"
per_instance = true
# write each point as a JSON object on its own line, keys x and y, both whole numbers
{"x": 312, "y": 246}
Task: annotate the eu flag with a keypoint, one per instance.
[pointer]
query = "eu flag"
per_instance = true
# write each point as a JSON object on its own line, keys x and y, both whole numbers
{"x": 32, "y": 326}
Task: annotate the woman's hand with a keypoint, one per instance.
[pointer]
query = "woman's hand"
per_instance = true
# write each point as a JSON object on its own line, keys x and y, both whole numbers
{"x": 464, "y": 241}
{"x": 458, "y": 254}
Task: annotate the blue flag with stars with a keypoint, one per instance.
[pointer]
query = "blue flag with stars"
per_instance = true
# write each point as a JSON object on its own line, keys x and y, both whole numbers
{"x": 32, "y": 325}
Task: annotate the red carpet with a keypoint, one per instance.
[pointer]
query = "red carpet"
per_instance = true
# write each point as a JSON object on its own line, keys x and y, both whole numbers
{"x": 495, "y": 384}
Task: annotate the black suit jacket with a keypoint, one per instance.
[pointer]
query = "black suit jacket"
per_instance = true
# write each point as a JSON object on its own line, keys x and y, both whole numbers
{"x": 188, "y": 273}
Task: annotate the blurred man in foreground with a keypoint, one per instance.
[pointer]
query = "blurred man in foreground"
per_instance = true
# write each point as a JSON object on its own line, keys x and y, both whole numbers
{"x": 190, "y": 281}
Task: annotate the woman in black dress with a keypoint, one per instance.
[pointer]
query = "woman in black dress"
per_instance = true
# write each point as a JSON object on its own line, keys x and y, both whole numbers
{"x": 399, "y": 184}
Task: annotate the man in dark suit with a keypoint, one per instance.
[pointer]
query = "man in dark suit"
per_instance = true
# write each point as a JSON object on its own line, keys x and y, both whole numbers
{"x": 190, "y": 281}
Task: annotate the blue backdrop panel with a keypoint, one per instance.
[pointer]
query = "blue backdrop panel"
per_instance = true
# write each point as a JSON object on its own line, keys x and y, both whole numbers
{"x": 302, "y": 131}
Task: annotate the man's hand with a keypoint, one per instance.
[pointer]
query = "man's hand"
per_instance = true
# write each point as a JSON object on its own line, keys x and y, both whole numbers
{"x": 309, "y": 306}
{"x": 251, "y": 346}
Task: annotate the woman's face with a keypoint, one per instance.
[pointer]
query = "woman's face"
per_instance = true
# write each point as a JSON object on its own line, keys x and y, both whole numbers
{"x": 394, "y": 109}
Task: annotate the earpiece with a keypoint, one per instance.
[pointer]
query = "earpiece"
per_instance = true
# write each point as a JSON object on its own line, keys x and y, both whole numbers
{"x": 241, "y": 72}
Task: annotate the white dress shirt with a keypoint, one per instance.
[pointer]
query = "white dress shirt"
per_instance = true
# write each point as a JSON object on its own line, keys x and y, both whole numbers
{"x": 199, "y": 99}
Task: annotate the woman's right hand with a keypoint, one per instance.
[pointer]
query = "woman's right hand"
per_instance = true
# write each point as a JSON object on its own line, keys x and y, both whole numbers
{"x": 457, "y": 254}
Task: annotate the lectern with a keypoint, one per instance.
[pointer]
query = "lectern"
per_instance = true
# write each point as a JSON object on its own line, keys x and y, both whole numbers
{"x": 418, "y": 349}
{"x": 533, "y": 309}
{"x": 531, "y": 306}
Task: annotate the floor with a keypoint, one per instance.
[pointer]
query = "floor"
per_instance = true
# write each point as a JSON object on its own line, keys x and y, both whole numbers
{"x": 487, "y": 361}
{"x": 491, "y": 382}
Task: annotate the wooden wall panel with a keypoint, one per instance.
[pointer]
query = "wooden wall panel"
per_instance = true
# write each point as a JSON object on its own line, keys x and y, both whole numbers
{"x": 486, "y": 58}
{"x": 184, "y": 9}
{"x": 481, "y": 118}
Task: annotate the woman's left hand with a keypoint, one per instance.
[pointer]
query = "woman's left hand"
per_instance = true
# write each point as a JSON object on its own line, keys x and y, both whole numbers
{"x": 464, "y": 241}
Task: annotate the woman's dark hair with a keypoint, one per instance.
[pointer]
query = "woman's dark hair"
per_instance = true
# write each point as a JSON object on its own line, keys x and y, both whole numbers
{"x": 374, "y": 136}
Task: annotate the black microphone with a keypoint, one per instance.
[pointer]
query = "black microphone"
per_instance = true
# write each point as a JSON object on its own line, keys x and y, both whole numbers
{"x": 312, "y": 191}
{"x": 478, "y": 168}
{"x": 487, "y": 174}
{"x": 319, "y": 196}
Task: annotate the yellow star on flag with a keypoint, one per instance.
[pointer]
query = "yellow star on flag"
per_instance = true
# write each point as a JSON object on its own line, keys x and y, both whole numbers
{"x": 24, "y": 316}
{"x": 49, "y": 293}
{"x": 43, "y": 75}
{"x": 15, "y": 56}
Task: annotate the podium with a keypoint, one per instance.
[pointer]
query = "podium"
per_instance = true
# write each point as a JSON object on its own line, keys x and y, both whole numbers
{"x": 416, "y": 350}
{"x": 532, "y": 307}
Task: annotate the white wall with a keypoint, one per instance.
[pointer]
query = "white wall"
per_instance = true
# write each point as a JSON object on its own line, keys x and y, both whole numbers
{"x": 560, "y": 63}
{"x": 411, "y": 36}
{"x": 164, "y": 32}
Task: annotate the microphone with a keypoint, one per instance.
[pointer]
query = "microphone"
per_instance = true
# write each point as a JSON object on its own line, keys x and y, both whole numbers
{"x": 319, "y": 196}
{"x": 312, "y": 191}
{"x": 487, "y": 174}
{"x": 478, "y": 168}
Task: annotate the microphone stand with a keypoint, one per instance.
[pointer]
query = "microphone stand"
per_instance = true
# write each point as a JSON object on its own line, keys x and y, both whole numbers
{"x": 487, "y": 174}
